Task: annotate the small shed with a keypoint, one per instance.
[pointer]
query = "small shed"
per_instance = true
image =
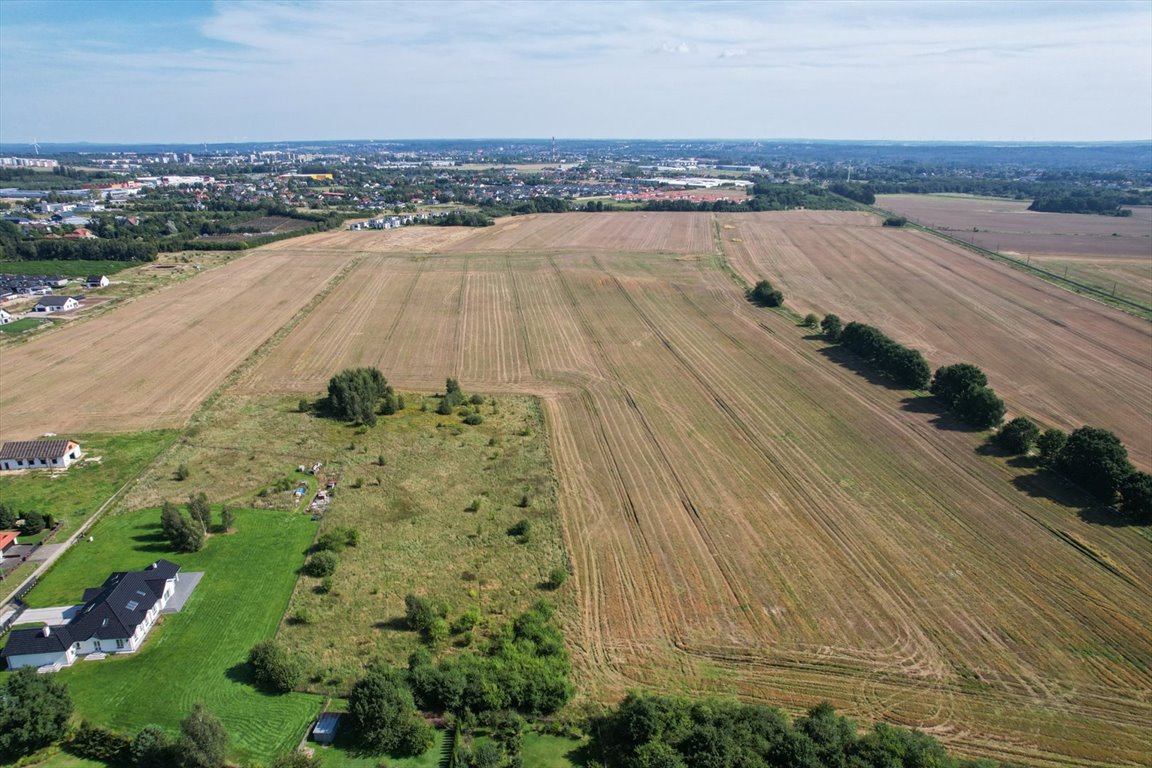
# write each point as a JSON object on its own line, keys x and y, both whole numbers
{"x": 325, "y": 729}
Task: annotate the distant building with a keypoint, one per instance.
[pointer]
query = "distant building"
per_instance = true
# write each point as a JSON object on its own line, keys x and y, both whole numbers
{"x": 56, "y": 304}
{"x": 96, "y": 281}
{"x": 39, "y": 454}
{"x": 5, "y": 317}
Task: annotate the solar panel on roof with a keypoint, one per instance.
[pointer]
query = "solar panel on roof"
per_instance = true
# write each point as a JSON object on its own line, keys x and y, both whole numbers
{"x": 133, "y": 605}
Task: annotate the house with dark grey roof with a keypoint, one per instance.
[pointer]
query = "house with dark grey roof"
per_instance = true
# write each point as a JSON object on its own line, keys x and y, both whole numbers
{"x": 115, "y": 618}
{"x": 56, "y": 304}
{"x": 39, "y": 454}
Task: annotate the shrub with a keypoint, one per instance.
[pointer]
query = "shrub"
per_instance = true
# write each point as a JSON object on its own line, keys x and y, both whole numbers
{"x": 557, "y": 577}
{"x": 522, "y": 528}
{"x": 101, "y": 744}
{"x": 303, "y": 406}
{"x": 152, "y": 749}
{"x": 764, "y": 294}
{"x": 321, "y": 564}
{"x": 524, "y": 502}
{"x": 895, "y": 221}
{"x": 811, "y": 320}
{"x": 34, "y": 522}
{"x": 465, "y": 621}
{"x": 295, "y": 760}
{"x": 476, "y": 400}
{"x": 182, "y": 472}
{"x": 420, "y": 612}
{"x": 274, "y": 668}
{"x": 473, "y": 419}
{"x": 1136, "y": 497}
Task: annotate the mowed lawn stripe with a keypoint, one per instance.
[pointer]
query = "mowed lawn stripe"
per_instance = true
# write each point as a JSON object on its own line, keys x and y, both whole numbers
{"x": 198, "y": 654}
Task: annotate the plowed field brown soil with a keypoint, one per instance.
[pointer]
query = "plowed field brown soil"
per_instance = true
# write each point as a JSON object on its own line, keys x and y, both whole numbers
{"x": 746, "y": 516}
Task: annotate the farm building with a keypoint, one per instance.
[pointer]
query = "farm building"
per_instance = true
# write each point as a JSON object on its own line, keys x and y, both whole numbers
{"x": 7, "y": 541}
{"x": 115, "y": 618}
{"x": 39, "y": 454}
{"x": 325, "y": 729}
{"x": 5, "y": 317}
{"x": 96, "y": 281}
{"x": 56, "y": 304}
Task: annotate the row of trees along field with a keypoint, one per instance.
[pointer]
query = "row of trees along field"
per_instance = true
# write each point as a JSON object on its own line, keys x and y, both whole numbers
{"x": 651, "y": 731}
{"x": 1092, "y": 458}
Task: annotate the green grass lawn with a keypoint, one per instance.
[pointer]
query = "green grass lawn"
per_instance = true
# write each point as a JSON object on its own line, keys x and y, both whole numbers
{"x": 65, "y": 760}
{"x": 19, "y": 326}
{"x": 200, "y": 653}
{"x": 77, "y": 493}
{"x": 543, "y": 751}
{"x": 67, "y": 268}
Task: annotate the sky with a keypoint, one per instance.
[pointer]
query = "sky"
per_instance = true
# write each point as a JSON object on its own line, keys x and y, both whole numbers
{"x": 258, "y": 70}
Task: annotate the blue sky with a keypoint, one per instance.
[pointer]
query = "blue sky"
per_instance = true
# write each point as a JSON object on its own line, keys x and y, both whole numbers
{"x": 196, "y": 71}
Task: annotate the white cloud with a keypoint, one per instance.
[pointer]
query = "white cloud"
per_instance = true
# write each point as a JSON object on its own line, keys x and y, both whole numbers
{"x": 366, "y": 69}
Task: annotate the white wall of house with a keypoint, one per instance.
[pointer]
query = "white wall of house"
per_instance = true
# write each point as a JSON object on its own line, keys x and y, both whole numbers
{"x": 41, "y": 659}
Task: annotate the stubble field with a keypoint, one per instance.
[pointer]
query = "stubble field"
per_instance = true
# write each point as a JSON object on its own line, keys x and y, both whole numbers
{"x": 747, "y": 516}
{"x": 1110, "y": 252}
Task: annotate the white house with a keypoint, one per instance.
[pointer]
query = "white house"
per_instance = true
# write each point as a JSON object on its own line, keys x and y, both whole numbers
{"x": 39, "y": 454}
{"x": 115, "y": 618}
{"x": 56, "y": 304}
{"x": 5, "y": 317}
{"x": 96, "y": 281}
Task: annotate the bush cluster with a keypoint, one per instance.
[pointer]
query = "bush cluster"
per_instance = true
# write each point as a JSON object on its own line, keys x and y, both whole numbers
{"x": 964, "y": 389}
{"x": 765, "y": 295}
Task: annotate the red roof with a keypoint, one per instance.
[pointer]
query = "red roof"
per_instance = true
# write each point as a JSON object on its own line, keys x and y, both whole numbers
{"x": 7, "y": 538}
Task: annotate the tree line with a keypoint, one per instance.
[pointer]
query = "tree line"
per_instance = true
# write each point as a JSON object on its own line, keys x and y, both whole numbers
{"x": 652, "y": 731}
{"x": 1092, "y": 458}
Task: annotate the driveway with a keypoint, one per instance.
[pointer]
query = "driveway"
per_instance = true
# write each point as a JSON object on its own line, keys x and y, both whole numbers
{"x": 184, "y": 587}
{"x": 60, "y": 614}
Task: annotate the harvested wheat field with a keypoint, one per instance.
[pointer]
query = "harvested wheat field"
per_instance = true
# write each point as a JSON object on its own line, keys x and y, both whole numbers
{"x": 745, "y": 515}
{"x": 1110, "y": 252}
{"x": 1054, "y": 356}
{"x": 151, "y": 362}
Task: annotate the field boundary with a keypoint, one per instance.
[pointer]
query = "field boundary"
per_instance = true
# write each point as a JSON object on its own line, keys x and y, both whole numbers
{"x": 1093, "y": 292}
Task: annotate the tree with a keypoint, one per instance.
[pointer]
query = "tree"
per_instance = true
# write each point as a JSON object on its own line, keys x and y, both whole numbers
{"x": 1018, "y": 436}
{"x": 1096, "y": 460}
{"x": 952, "y": 381}
{"x": 190, "y": 538}
{"x": 832, "y": 326}
{"x": 203, "y": 741}
{"x": 811, "y": 320}
{"x": 980, "y": 407}
{"x": 171, "y": 521}
{"x": 383, "y": 714}
{"x": 8, "y": 517}
{"x": 227, "y": 518}
{"x": 274, "y": 668}
{"x": 1136, "y": 497}
{"x": 1050, "y": 444}
{"x": 764, "y": 294}
{"x": 200, "y": 509}
{"x": 557, "y": 577}
{"x": 321, "y": 564}
{"x": 353, "y": 393}
{"x": 34, "y": 712}
{"x": 152, "y": 749}
{"x": 34, "y": 522}
{"x": 420, "y": 612}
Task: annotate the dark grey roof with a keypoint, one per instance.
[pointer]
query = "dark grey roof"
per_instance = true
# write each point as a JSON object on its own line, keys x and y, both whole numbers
{"x": 34, "y": 449}
{"x": 26, "y": 641}
{"x": 94, "y": 278}
{"x": 122, "y": 602}
{"x": 55, "y": 301}
{"x": 110, "y": 612}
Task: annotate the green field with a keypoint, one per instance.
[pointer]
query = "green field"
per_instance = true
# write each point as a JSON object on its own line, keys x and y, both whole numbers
{"x": 341, "y": 757}
{"x": 65, "y": 267}
{"x": 417, "y": 533}
{"x": 19, "y": 326}
{"x": 73, "y": 495}
{"x": 200, "y": 653}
